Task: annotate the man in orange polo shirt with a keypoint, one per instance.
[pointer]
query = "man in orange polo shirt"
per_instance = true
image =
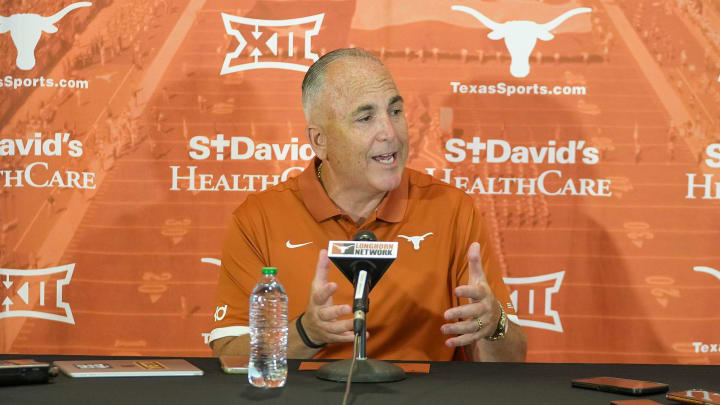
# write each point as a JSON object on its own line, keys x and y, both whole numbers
{"x": 445, "y": 289}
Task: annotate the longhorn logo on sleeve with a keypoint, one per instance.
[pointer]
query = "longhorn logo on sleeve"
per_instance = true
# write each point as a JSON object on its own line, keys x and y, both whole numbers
{"x": 520, "y": 36}
{"x": 259, "y": 42}
{"x": 26, "y": 29}
{"x": 532, "y": 298}
{"x": 36, "y": 293}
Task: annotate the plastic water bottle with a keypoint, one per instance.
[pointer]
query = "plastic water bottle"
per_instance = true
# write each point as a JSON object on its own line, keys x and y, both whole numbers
{"x": 268, "y": 332}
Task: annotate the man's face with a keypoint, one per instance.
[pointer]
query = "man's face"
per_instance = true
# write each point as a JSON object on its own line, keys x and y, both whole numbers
{"x": 365, "y": 128}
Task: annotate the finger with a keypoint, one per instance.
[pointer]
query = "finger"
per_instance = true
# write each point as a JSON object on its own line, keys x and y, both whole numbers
{"x": 322, "y": 295}
{"x": 345, "y": 337}
{"x": 467, "y": 311}
{"x": 475, "y": 292}
{"x": 475, "y": 263}
{"x": 334, "y": 312}
{"x": 322, "y": 268}
{"x": 350, "y": 333}
{"x": 461, "y": 328}
{"x": 338, "y": 327}
{"x": 462, "y": 340}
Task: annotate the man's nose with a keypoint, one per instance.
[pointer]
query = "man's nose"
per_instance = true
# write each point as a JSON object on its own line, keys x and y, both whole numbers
{"x": 387, "y": 130}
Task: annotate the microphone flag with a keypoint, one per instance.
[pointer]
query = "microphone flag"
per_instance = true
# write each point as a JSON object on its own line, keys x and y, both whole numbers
{"x": 372, "y": 256}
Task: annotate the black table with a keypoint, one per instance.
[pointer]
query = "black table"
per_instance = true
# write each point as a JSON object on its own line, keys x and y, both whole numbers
{"x": 447, "y": 383}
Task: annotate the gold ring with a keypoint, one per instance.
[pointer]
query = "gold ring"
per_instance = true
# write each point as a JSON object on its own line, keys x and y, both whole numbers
{"x": 479, "y": 323}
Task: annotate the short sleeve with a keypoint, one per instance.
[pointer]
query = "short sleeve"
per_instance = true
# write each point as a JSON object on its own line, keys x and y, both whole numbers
{"x": 240, "y": 270}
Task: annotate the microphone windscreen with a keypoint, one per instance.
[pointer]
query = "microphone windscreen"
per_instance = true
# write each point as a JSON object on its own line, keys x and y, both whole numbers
{"x": 365, "y": 236}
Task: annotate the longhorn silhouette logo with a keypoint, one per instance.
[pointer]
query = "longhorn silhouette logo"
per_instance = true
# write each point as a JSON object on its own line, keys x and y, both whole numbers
{"x": 26, "y": 29}
{"x": 342, "y": 248}
{"x": 415, "y": 240}
{"x": 520, "y": 36}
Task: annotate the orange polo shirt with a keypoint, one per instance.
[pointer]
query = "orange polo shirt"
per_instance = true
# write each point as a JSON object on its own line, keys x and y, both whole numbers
{"x": 287, "y": 225}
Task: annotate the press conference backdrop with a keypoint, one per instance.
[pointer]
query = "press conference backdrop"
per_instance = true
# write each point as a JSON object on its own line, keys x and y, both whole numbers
{"x": 586, "y": 131}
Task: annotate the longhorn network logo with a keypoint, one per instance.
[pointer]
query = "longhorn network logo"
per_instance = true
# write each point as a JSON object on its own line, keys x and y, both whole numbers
{"x": 262, "y": 47}
{"x": 26, "y": 29}
{"x": 520, "y": 36}
{"x": 30, "y": 293}
{"x": 532, "y": 298}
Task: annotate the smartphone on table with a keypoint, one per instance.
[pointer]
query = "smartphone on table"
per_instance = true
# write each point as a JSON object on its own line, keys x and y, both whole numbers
{"x": 620, "y": 385}
{"x": 695, "y": 396}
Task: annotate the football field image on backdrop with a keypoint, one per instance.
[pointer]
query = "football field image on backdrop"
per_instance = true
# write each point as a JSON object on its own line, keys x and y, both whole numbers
{"x": 586, "y": 131}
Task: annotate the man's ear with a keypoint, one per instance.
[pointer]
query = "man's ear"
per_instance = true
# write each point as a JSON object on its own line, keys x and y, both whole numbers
{"x": 318, "y": 140}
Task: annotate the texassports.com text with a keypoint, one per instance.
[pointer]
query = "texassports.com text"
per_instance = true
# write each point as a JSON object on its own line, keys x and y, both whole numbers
{"x": 19, "y": 82}
{"x": 512, "y": 89}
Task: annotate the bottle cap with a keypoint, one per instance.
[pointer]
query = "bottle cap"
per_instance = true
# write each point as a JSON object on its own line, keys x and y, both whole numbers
{"x": 269, "y": 270}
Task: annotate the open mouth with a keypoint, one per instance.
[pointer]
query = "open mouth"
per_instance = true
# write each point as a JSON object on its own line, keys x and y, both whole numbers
{"x": 388, "y": 158}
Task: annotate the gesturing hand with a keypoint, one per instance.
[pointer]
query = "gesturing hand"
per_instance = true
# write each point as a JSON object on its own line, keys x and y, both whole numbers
{"x": 321, "y": 316}
{"x": 481, "y": 314}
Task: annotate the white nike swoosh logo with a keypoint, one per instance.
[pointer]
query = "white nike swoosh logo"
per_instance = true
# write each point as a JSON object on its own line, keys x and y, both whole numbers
{"x": 293, "y": 246}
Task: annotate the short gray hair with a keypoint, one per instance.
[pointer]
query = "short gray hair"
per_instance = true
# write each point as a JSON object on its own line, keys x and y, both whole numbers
{"x": 314, "y": 78}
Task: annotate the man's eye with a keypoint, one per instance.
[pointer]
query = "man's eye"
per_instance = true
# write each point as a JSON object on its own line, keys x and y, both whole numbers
{"x": 397, "y": 111}
{"x": 365, "y": 118}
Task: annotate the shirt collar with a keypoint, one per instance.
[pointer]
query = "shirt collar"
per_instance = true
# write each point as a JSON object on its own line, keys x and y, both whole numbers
{"x": 391, "y": 208}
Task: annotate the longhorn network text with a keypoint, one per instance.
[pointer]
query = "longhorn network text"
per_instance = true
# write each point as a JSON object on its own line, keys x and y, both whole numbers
{"x": 511, "y": 89}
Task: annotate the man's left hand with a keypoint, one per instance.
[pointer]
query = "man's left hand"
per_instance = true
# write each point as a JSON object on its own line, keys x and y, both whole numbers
{"x": 481, "y": 315}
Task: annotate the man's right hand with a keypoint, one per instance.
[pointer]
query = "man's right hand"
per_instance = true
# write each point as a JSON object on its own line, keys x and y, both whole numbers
{"x": 321, "y": 320}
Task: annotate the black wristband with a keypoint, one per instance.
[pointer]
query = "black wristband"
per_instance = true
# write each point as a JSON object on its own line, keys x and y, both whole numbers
{"x": 304, "y": 336}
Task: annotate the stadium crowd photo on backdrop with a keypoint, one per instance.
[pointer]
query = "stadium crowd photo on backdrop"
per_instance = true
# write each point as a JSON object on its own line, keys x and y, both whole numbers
{"x": 346, "y": 201}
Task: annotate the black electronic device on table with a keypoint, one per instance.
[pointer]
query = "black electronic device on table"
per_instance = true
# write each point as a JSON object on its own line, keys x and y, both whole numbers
{"x": 25, "y": 371}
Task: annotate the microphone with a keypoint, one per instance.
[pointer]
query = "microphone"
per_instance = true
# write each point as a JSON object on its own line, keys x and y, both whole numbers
{"x": 361, "y": 281}
{"x": 363, "y": 262}
{"x": 365, "y": 235}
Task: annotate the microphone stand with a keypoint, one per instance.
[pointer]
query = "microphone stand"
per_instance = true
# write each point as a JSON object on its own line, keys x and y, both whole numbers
{"x": 365, "y": 370}
{"x": 361, "y": 306}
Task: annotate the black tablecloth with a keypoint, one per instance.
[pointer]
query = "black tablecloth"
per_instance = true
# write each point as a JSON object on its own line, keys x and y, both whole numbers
{"x": 447, "y": 383}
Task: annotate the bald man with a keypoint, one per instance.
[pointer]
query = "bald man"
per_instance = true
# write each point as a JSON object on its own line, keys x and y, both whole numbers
{"x": 444, "y": 292}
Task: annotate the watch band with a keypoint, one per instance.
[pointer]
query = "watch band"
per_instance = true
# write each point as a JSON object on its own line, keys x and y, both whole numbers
{"x": 301, "y": 331}
{"x": 501, "y": 326}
